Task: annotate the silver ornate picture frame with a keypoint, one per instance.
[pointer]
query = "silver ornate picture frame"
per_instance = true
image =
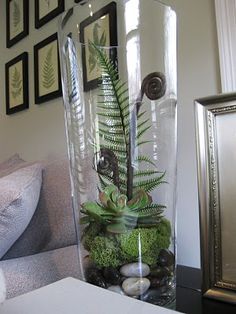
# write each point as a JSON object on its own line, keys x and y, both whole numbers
{"x": 216, "y": 156}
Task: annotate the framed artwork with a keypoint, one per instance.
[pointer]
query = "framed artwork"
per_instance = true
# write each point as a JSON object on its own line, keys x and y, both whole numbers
{"x": 17, "y": 21}
{"x": 216, "y": 154}
{"x": 47, "y": 77}
{"x": 16, "y": 78}
{"x": 100, "y": 29}
{"x": 45, "y": 10}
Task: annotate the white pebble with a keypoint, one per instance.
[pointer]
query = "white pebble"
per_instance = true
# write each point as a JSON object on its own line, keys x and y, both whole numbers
{"x": 135, "y": 286}
{"x": 135, "y": 270}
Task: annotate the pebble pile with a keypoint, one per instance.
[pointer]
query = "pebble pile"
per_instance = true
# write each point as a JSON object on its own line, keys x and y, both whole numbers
{"x": 137, "y": 279}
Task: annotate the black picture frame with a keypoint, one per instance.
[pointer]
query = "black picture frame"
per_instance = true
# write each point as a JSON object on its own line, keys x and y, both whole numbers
{"x": 40, "y": 21}
{"x": 47, "y": 75}
{"x": 99, "y": 16}
{"x": 16, "y": 84}
{"x": 17, "y": 21}
{"x": 82, "y": 2}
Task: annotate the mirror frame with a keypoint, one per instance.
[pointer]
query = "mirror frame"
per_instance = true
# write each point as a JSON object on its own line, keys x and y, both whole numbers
{"x": 206, "y": 111}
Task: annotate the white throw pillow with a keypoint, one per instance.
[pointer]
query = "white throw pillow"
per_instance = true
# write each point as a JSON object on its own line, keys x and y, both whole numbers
{"x": 19, "y": 195}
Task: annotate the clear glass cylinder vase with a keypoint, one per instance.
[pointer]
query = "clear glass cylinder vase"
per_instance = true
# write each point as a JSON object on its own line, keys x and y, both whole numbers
{"x": 118, "y": 67}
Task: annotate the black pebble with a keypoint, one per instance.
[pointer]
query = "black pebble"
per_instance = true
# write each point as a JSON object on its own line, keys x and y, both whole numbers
{"x": 160, "y": 272}
{"x": 166, "y": 258}
{"x": 95, "y": 277}
{"x": 112, "y": 275}
{"x": 157, "y": 282}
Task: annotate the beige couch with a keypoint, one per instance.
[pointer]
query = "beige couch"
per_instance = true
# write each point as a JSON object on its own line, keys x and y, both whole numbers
{"x": 47, "y": 249}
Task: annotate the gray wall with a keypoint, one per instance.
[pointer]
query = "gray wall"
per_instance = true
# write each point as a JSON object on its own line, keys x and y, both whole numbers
{"x": 198, "y": 75}
{"x": 39, "y": 131}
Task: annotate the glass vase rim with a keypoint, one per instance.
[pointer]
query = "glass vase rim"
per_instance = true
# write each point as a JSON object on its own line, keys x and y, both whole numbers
{"x": 64, "y": 16}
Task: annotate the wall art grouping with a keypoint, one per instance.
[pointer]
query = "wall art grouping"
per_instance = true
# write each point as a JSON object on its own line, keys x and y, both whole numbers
{"x": 17, "y": 17}
{"x": 100, "y": 29}
{"x": 47, "y": 75}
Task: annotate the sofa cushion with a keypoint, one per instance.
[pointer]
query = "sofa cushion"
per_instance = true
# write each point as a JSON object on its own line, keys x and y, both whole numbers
{"x": 19, "y": 195}
{"x": 10, "y": 165}
{"x": 52, "y": 225}
{"x": 28, "y": 273}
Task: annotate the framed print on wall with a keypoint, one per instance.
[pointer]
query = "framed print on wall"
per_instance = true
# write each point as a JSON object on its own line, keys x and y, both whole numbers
{"x": 47, "y": 77}
{"x": 45, "y": 10}
{"x": 17, "y": 21}
{"x": 16, "y": 80}
{"x": 101, "y": 30}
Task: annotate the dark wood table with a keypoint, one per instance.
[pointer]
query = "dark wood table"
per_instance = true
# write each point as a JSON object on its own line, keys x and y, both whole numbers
{"x": 189, "y": 298}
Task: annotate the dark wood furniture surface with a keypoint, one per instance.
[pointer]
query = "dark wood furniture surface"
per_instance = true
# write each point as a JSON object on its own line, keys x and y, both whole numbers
{"x": 189, "y": 296}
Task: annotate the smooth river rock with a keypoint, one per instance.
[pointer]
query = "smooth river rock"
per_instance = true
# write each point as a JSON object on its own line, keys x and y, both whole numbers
{"x": 135, "y": 270}
{"x": 135, "y": 286}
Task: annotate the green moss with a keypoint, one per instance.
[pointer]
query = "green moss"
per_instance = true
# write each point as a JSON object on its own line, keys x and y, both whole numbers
{"x": 115, "y": 250}
{"x": 164, "y": 228}
{"x": 145, "y": 243}
{"x": 90, "y": 233}
{"x": 105, "y": 252}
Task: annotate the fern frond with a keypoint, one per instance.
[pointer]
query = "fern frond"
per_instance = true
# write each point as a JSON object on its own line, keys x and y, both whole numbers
{"x": 48, "y": 70}
{"x": 107, "y": 130}
{"x": 153, "y": 209}
{"x": 108, "y": 105}
{"x": 145, "y": 159}
{"x": 142, "y": 131}
{"x": 114, "y": 130}
{"x": 144, "y": 173}
{"x": 116, "y": 148}
{"x": 139, "y": 143}
{"x": 111, "y": 140}
{"x": 141, "y": 114}
{"x": 16, "y": 14}
{"x": 16, "y": 83}
{"x": 143, "y": 123}
{"x": 112, "y": 115}
{"x": 148, "y": 185}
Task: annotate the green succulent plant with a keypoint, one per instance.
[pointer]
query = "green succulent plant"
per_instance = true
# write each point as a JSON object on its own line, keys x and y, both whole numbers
{"x": 118, "y": 214}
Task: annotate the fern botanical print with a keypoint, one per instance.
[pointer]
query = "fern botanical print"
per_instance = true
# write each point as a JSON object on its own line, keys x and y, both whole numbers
{"x": 48, "y": 70}
{"x": 98, "y": 41}
{"x": 48, "y": 3}
{"x": 16, "y": 83}
{"x": 16, "y": 14}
